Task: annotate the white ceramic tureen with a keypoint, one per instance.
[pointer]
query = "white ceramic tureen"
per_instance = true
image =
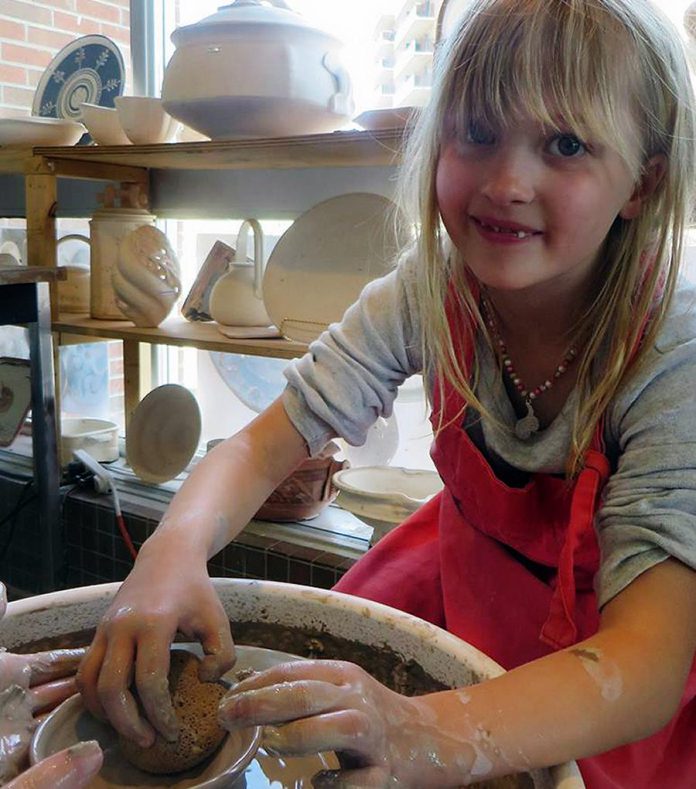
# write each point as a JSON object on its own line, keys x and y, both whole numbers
{"x": 256, "y": 69}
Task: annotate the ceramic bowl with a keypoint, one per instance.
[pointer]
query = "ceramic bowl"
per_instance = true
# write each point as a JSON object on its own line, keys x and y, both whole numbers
{"x": 144, "y": 120}
{"x": 384, "y": 496}
{"x": 304, "y": 494}
{"x": 301, "y": 611}
{"x": 71, "y": 723}
{"x": 98, "y": 437}
{"x": 104, "y": 125}
{"x": 40, "y": 131}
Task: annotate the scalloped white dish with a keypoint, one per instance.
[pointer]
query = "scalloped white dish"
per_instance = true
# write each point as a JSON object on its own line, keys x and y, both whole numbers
{"x": 40, "y": 131}
{"x": 384, "y": 496}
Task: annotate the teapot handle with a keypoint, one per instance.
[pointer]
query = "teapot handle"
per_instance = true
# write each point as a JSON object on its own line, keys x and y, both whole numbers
{"x": 258, "y": 251}
{"x": 340, "y": 102}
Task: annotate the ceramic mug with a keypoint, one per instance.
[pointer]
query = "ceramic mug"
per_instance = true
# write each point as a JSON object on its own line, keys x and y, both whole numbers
{"x": 237, "y": 297}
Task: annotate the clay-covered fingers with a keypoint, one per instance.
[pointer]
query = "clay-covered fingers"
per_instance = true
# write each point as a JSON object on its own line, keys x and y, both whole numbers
{"x": 105, "y": 684}
{"x": 347, "y": 731}
{"x": 72, "y": 768}
{"x": 88, "y": 676}
{"x": 218, "y": 648}
{"x": 151, "y": 680}
{"x": 45, "y": 697}
{"x": 57, "y": 663}
{"x": 286, "y": 701}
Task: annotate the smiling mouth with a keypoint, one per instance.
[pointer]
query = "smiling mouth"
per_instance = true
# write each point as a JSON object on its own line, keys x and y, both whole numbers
{"x": 506, "y": 231}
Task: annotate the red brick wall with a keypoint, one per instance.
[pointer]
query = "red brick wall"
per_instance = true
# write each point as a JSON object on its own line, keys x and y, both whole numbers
{"x": 33, "y": 31}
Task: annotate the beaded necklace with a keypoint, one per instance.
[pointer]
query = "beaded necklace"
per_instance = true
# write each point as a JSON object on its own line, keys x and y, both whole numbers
{"x": 527, "y": 425}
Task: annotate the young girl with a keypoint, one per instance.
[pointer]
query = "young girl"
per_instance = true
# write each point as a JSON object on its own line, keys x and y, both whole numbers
{"x": 550, "y": 181}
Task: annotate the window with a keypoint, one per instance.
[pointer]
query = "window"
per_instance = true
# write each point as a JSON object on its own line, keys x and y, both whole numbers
{"x": 388, "y": 51}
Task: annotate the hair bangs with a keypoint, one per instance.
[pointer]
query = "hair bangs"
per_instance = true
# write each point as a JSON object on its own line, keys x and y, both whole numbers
{"x": 550, "y": 62}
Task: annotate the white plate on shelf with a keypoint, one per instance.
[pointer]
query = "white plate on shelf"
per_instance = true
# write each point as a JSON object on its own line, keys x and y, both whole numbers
{"x": 387, "y": 118}
{"x": 40, "y": 131}
{"x": 89, "y": 69}
{"x": 163, "y": 433}
{"x": 325, "y": 258}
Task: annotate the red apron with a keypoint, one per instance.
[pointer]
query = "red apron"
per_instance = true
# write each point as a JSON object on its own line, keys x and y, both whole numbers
{"x": 510, "y": 570}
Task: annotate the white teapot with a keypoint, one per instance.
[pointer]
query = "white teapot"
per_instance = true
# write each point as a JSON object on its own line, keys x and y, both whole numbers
{"x": 257, "y": 70}
{"x": 237, "y": 297}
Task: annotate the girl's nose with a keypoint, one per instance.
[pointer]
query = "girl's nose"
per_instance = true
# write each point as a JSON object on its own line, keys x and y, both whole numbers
{"x": 510, "y": 178}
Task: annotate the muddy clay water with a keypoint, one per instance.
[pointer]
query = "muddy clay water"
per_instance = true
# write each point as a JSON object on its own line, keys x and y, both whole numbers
{"x": 389, "y": 668}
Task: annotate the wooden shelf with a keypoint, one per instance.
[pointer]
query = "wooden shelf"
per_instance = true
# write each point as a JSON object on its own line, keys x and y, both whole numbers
{"x": 175, "y": 331}
{"x": 21, "y": 275}
{"x": 337, "y": 149}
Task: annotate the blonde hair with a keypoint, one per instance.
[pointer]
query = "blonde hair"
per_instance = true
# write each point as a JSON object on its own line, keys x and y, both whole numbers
{"x": 579, "y": 59}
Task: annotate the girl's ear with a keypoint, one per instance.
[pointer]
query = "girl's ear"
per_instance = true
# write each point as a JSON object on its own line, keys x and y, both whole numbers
{"x": 650, "y": 178}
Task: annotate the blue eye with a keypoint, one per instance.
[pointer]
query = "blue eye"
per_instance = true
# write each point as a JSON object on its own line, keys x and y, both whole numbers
{"x": 567, "y": 146}
{"x": 479, "y": 134}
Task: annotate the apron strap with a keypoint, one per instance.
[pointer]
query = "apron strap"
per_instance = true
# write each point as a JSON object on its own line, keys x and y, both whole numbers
{"x": 559, "y": 630}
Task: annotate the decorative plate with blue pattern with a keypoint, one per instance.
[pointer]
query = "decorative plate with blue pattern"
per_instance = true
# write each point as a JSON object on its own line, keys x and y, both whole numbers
{"x": 89, "y": 69}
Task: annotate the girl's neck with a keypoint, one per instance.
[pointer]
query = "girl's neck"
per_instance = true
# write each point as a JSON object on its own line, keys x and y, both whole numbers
{"x": 538, "y": 314}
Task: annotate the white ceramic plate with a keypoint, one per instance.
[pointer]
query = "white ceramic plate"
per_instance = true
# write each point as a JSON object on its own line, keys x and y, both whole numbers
{"x": 89, "y": 69}
{"x": 163, "y": 433}
{"x": 387, "y": 118}
{"x": 325, "y": 258}
{"x": 40, "y": 131}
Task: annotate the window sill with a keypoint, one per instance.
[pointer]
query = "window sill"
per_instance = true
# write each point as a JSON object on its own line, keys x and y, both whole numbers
{"x": 335, "y": 537}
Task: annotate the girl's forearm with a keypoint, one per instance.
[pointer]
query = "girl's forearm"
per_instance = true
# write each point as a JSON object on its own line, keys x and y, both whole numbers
{"x": 572, "y": 704}
{"x": 227, "y": 487}
{"x": 619, "y": 686}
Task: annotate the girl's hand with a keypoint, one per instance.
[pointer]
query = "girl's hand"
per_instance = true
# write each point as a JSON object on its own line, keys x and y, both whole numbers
{"x": 162, "y": 595}
{"x": 72, "y": 768}
{"x": 380, "y": 737}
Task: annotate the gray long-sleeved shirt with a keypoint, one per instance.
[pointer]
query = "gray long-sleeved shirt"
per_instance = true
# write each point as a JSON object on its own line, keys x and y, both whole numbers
{"x": 351, "y": 374}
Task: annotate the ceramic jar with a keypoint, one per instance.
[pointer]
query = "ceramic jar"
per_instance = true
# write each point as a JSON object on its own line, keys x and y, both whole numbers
{"x": 107, "y": 229}
{"x": 146, "y": 280}
{"x": 252, "y": 70}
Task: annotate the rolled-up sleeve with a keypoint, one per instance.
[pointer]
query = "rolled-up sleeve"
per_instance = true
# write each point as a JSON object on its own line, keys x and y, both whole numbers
{"x": 350, "y": 375}
{"x": 649, "y": 510}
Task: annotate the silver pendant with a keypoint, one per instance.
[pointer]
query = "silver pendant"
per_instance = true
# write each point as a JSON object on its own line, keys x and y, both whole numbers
{"x": 528, "y": 424}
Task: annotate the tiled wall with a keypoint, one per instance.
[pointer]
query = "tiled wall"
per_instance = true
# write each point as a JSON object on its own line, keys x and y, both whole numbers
{"x": 95, "y": 552}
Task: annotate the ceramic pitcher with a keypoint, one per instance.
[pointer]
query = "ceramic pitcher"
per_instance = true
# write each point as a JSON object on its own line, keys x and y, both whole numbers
{"x": 237, "y": 297}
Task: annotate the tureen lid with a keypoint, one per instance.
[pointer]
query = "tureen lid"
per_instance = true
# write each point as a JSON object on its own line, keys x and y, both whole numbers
{"x": 233, "y": 18}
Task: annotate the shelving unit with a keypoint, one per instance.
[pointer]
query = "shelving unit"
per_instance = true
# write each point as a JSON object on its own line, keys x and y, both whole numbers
{"x": 42, "y": 167}
{"x": 128, "y": 164}
{"x": 24, "y": 298}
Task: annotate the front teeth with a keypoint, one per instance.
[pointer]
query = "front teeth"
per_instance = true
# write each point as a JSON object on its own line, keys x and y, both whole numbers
{"x": 518, "y": 233}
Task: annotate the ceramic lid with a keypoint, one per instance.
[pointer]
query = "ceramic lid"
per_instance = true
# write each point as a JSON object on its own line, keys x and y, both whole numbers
{"x": 243, "y": 16}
